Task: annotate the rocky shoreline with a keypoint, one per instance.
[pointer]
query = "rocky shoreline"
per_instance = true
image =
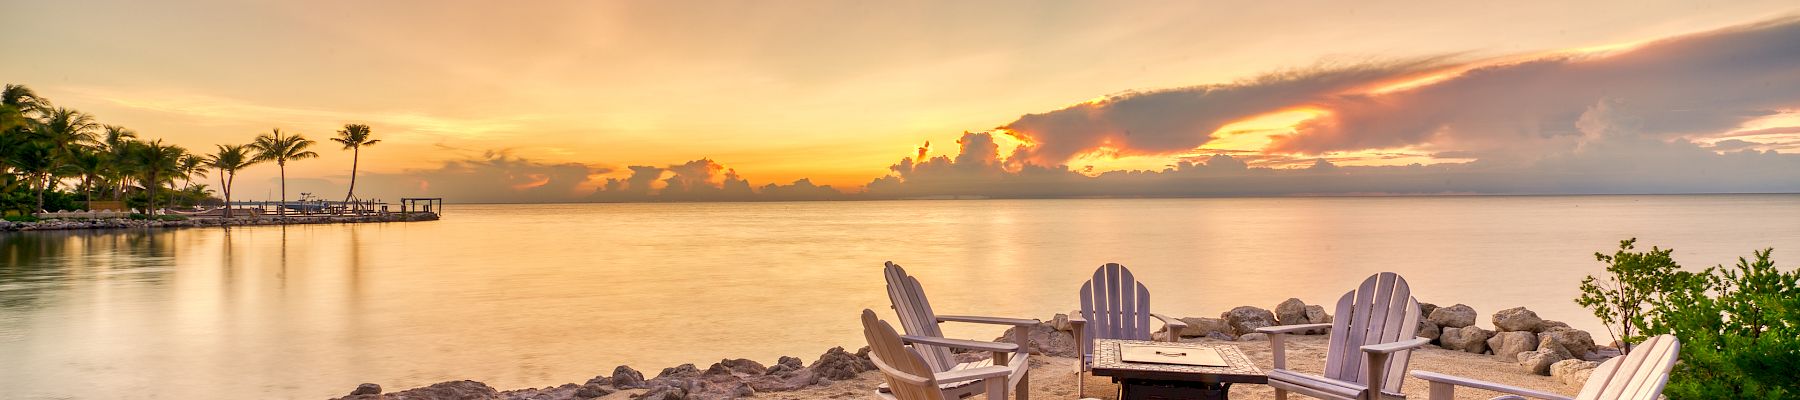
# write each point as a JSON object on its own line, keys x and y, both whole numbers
{"x": 1536, "y": 346}
{"x": 127, "y": 223}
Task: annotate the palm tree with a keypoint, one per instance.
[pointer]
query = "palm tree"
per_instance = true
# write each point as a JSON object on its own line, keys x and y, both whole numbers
{"x": 155, "y": 163}
{"x": 67, "y": 129}
{"x": 36, "y": 160}
{"x": 228, "y": 161}
{"x": 191, "y": 166}
{"x": 17, "y": 104}
{"x": 114, "y": 141}
{"x": 90, "y": 164}
{"x": 354, "y": 137}
{"x": 274, "y": 146}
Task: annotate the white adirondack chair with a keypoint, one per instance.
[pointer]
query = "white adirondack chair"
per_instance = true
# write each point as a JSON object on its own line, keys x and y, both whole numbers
{"x": 920, "y": 322}
{"x": 1372, "y": 339}
{"x": 910, "y": 377}
{"x": 1636, "y": 376}
{"x": 1114, "y": 305}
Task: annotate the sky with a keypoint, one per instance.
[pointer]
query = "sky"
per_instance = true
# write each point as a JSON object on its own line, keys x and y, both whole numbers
{"x": 555, "y": 101}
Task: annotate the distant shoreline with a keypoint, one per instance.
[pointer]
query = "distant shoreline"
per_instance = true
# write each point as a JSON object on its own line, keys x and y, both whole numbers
{"x": 854, "y": 198}
{"x": 127, "y": 223}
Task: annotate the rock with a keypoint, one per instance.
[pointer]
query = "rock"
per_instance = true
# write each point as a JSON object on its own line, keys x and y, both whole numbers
{"x": 1425, "y": 310}
{"x": 453, "y": 390}
{"x": 1469, "y": 338}
{"x": 1508, "y": 345}
{"x": 366, "y": 388}
{"x": 1246, "y": 319}
{"x": 1317, "y": 315}
{"x": 1061, "y": 322}
{"x": 1253, "y": 336}
{"x": 1539, "y": 361}
{"x": 1573, "y": 343}
{"x": 1044, "y": 339}
{"x": 1291, "y": 312}
{"x": 1456, "y": 316}
{"x": 602, "y": 380}
{"x": 786, "y": 364}
{"x": 682, "y": 371}
{"x": 1601, "y": 354}
{"x": 786, "y": 381}
{"x": 1549, "y": 325}
{"x": 1428, "y": 330}
{"x": 626, "y": 378}
{"x": 837, "y": 364}
{"x": 1565, "y": 371}
{"x": 1517, "y": 319}
{"x": 663, "y": 392}
{"x": 744, "y": 366}
{"x": 1203, "y": 326}
{"x": 1220, "y": 336}
{"x": 591, "y": 390}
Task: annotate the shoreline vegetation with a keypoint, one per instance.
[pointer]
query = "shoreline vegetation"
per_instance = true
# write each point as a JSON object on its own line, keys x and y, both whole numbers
{"x": 1524, "y": 350}
{"x": 58, "y": 224}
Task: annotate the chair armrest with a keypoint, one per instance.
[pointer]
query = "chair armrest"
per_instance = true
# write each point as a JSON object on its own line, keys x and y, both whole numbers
{"x": 1171, "y": 323}
{"x": 1076, "y": 318}
{"x": 988, "y": 320}
{"x": 961, "y": 344}
{"x": 970, "y": 374}
{"x": 1385, "y": 348}
{"x": 1290, "y": 328}
{"x": 1438, "y": 379}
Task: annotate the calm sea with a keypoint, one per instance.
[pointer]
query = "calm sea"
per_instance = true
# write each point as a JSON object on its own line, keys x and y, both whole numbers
{"x": 535, "y": 295}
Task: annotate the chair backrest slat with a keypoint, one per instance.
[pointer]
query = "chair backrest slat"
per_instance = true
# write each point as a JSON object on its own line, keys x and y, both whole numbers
{"x": 908, "y": 376}
{"x": 915, "y": 315}
{"x": 1639, "y": 375}
{"x": 1115, "y": 305}
{"x": 1381, "y": 310}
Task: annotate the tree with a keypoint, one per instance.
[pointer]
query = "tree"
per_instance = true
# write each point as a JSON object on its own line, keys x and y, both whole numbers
{"x": 1620, "y": 298}
{"x": 17, "y": 106}
{"x": 67, "y": 130}
{"x": 90, "y": 164}
{"x": 155, "y": 163}
{"x": 36, "y": 159}
{"x": 354, "y": 137}
{"x": 228, "y": 160}
{"x": 113, "y": 141}
{"x": 275, "y": 146}
{"x": 191, "y": 166}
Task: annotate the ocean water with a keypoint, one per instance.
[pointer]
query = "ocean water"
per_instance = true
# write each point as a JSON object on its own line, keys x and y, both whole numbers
{"x": 535, "y": 295}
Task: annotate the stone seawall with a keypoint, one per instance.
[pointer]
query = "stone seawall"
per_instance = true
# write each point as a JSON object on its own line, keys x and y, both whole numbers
{"x": 126, "y": 223}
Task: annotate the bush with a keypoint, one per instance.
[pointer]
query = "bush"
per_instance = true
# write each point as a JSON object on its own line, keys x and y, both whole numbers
{"x": 138, "y": 216}
{"x": 1739, "y": 326}
{"x": 21, "y": 218}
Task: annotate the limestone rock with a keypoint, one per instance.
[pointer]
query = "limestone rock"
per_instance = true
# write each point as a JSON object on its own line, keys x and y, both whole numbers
{"x": 1573, "y": 343}
{"x": 1316, "y": 315}
{"x": 1428, "y": 330}
{"x": 682, "y": 371}
{"x": 1290, "y": 312}
{"x": 663, "y": 392}
{"x": 366, "y": 388}
{"x": 837, "y": 364}
{"x": 1456, "y": 316}
{"x": 453, "y": 390}
{"x": 1044, "y": 339}
{"x": 1203, "y": 326}
{"x": 786, "y": 364}
{"x": 1469, "y": 338}
{"x": 1566, "y": 371}
{"x": 785, "y": 381}
{"x": 1253, "y": 337}
{"x": 1425, "y": 310}
{"x": 1061, "y": 322}
{"x": 1220, "y": 336}
{"x": 1246, "y": 319}
{"x": 589, "y": 391}
{"x": 626, "y": 378}
{"x": 1508, "y": 345}
{"x": 744, "y": 366}
{"x": 1517, "y": 319}
{"x": 1539, "y": 361}
{"x": 1548, "y": 326}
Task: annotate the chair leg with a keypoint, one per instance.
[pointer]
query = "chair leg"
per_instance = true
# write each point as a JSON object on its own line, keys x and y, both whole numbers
{"x": 1023, "y": 391}
{"x": 1280, "y": 394}
{"x": 996, "y": 388}
{"x": 1080, "y": 385}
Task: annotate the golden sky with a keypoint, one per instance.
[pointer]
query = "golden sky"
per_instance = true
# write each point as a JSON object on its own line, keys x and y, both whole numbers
{"x": 832, "y": 91}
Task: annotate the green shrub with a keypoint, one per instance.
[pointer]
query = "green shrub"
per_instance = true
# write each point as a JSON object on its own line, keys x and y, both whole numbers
{"x": 21, "y": 218}
{"x": 1739, "y": 326}
{"x": 138, "y": 216}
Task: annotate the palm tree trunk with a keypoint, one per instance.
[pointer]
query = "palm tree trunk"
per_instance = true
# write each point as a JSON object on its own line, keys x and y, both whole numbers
{"x": 225, "y": 187}
{"x": 355, "y": 157}
{"x": 282, "y": 210}
{"x": 150, "y": 189}
{"x": 41, "y": 183}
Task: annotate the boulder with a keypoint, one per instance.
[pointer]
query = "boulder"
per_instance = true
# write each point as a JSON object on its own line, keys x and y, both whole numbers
{"x": 366, "y": 388}
{"x": 1316, "y": 315}
{"x": 785, "y": 381}
{"x": 1601, "y": 353}
{"x": 1203, "y": 326}
{"x": 1253, "y": 337}
{"x": 1456, "y": 316}
{"x": 453, "y": 390}
{"x": 1508, "y": 345}
{"x": 1220, "y": 336}
{"x": 1061, "y": 322}
{"x": 663, "y": 392}
{"x": 837, "y": 364}
{"x": 1428, "y": 330}
{"x": 682, "y": 371}
{"x": 1425, "y": 310}
{"x": 1517, "y": 319}
{"x": 1469, "y": 338}
{"x": 1246, "y": 319}
{"x": 1549, "y": 325}
{"x": 1574, "y": 343}
{"x": 1539, "y": 361}
{"x": 624, "y": 377}
{"x": 1291, "y": 312}
{"x": 786, "y": 364}
{"x": 1044, "y": 339}
{"x": 589, "y": 391}
{"x": 1569, "y": 371}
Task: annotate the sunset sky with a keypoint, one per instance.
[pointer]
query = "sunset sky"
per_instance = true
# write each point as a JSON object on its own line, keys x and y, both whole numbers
{"x": 478, "y": 100}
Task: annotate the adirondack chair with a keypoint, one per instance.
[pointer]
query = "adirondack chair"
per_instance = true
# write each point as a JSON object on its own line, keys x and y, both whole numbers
{"x": 1114, "y": 305}
{"x": 1636, "y": 376}
{"x": 1372, "y": 339}
{"x": 910, "y": 377}
{"x": 918, "y": 319}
